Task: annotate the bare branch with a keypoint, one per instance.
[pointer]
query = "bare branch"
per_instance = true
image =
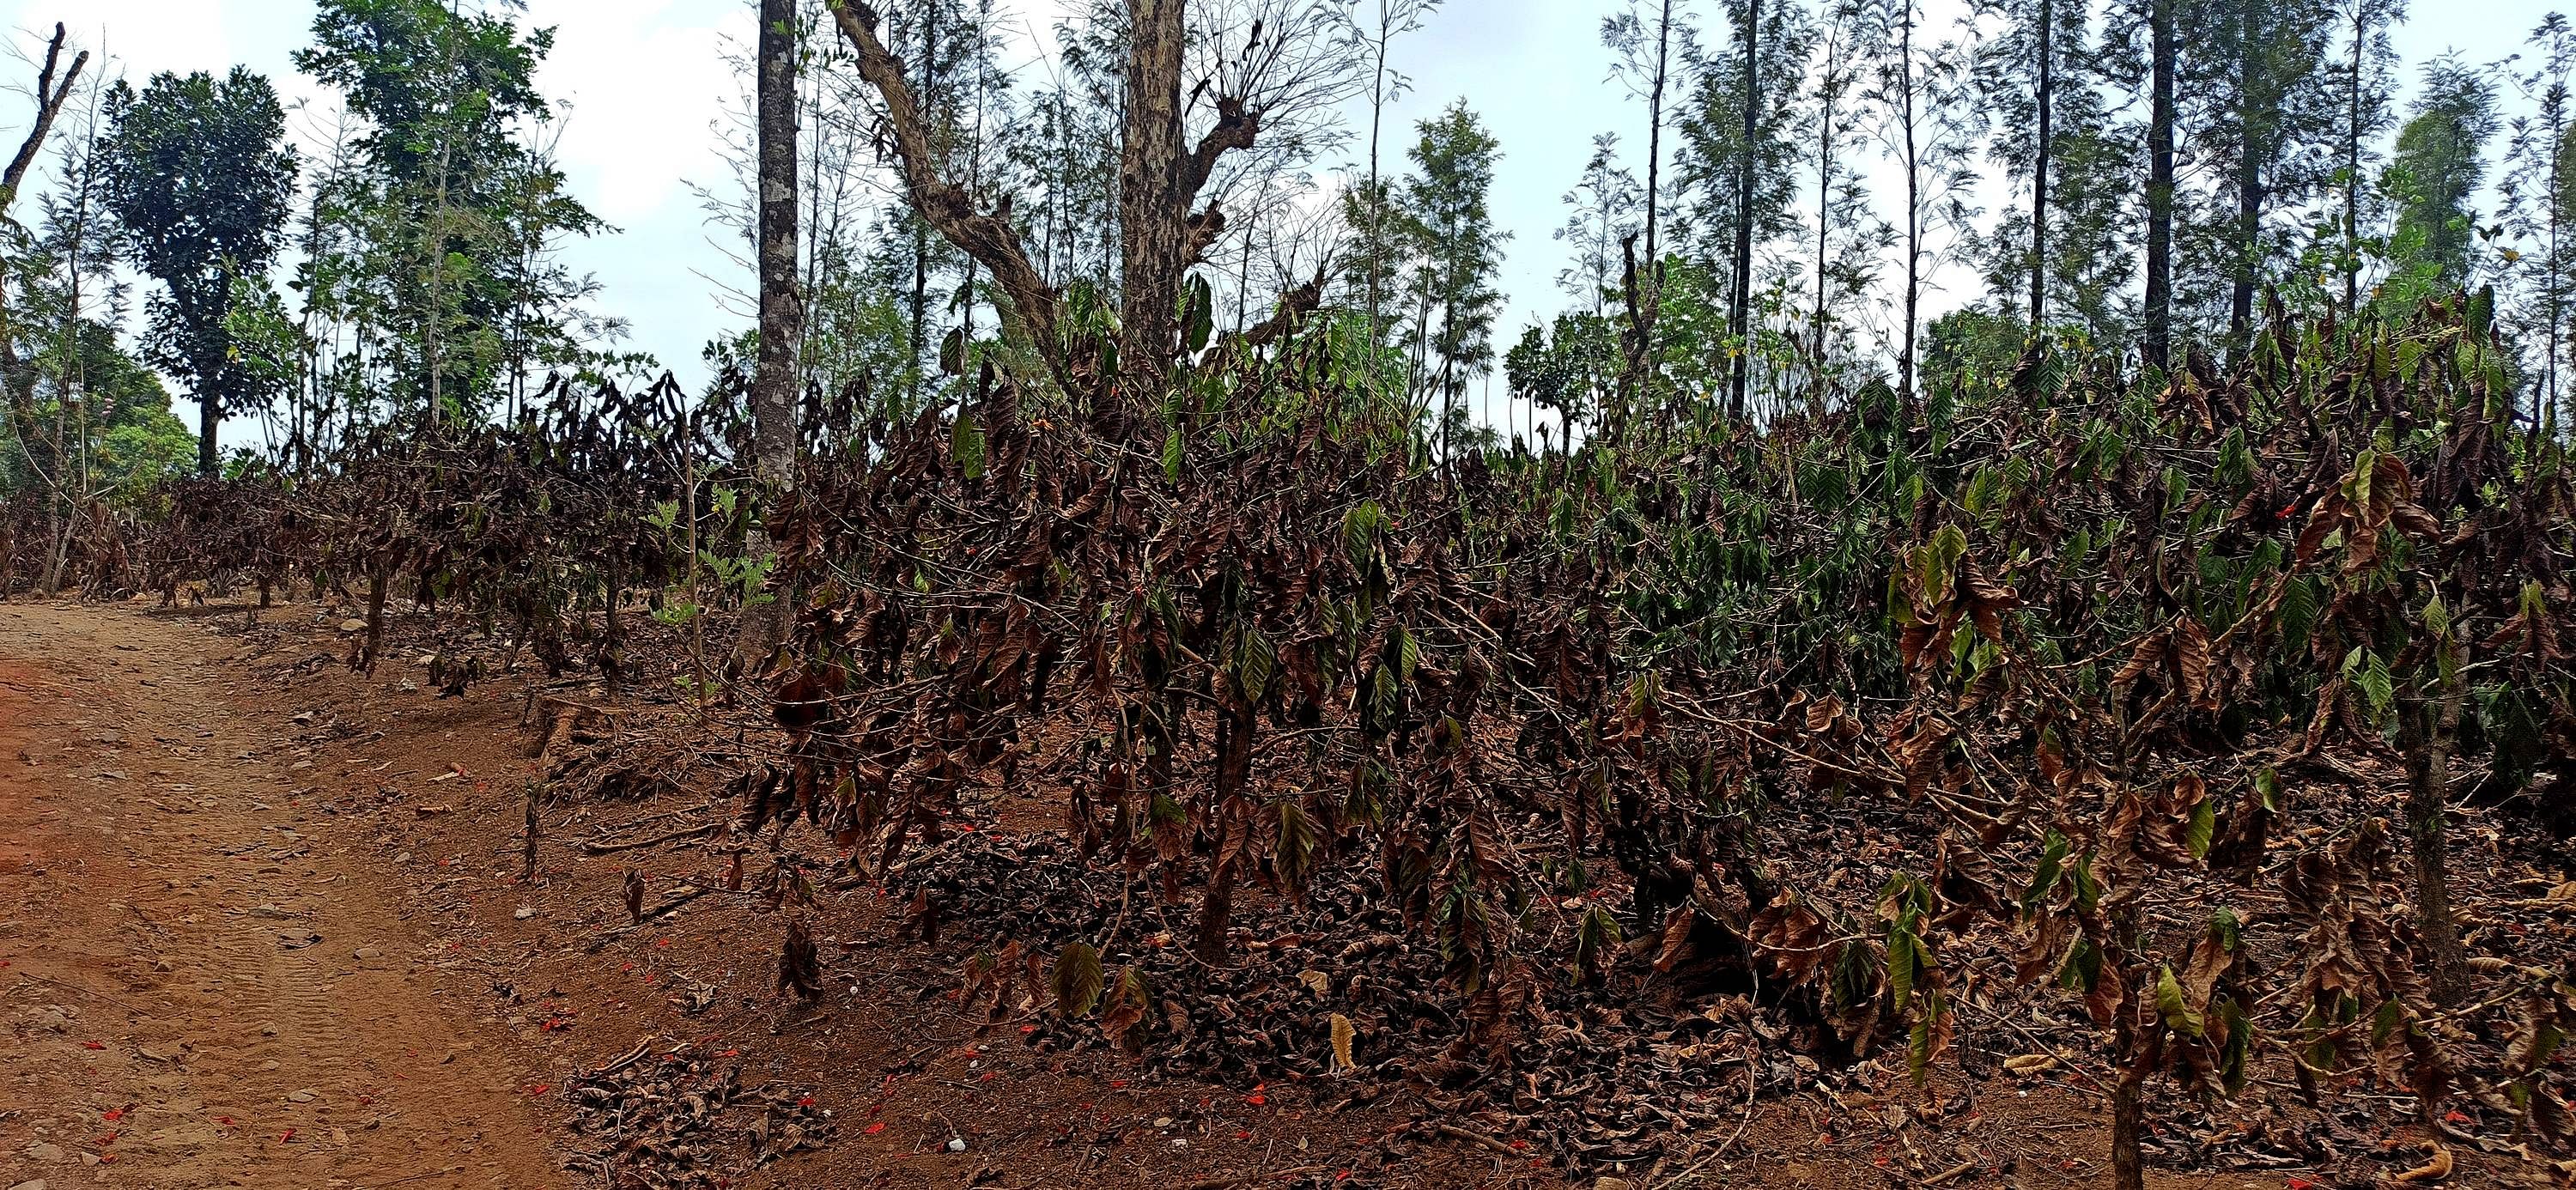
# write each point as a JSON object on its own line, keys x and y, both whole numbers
{"x": 946, "y": 206}
{"x": 50, "y": 98}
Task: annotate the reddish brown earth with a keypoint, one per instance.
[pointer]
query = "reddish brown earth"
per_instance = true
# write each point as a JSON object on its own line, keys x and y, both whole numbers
{"x": 207, "y": 983}
{"x": 263, "y": 923}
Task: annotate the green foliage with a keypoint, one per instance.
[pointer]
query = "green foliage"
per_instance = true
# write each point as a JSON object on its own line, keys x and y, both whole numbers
{"x": 198, "y": 175}
{"x": 445, "y": 224}
{"x": 2438, "y": 167}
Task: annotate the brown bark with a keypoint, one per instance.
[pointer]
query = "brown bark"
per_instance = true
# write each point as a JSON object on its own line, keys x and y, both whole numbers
{"x": 1236, "y": 726}
{"x": 18, "y": 376}
{"x": 1739, "y": 304}
{"x": 2426, "y": 732}
{"x": 2249, "y": 181}
{"x": 2128, "y": 1119}
{"x": 782, "y": 310}
{"x": 2044, "y": 148}
{"x": 2160, "y": 189}
{"x": 944, "y": 204}
{"x": 51, "y": 97}
{"x": 1913, "y": 214}
{"x": 1151, "y": 197}
{"x": 1158, "y": 182}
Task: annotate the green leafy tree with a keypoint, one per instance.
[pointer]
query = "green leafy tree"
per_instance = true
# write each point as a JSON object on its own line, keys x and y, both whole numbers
{"x": 1739, "y": 154}
{"x": 1568, "y": 369}
{"x": 2061, "y": 252}
{"x": 2260, "y": 111}
{"x": 1601, "y": 212}
{"x": 2435, "y": 174}
{"x": 2365, "y": 79}
{"x": 1926, "y": 124}
{"x": 199, "y": 177}
{"x": 2536, "y": 199}
{"x": 1458, "y": 253}
{"x": 454, "y": 204}
{"x": 1848, "y": 238}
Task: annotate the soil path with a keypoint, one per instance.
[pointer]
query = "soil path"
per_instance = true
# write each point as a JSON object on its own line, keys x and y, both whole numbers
{"x": 201, "y": 987}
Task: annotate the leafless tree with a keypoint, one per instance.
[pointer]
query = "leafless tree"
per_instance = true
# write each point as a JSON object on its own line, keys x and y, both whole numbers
{"x": 1264, "y": 69}
{"x": 53, "y": 93}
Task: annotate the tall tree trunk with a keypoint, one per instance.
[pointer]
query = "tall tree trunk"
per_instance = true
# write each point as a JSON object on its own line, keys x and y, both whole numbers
{"x": 1739, "y": 303}
{"x": 17, "y": 375}
{"x": 782, "y": 312}
{"x": 1377, "y": 195}
{"x": 1152, "y": 199}
{"x": 2556, "y": 275}
{"x": 1913, "y": 214}
{"x": 2044, "y": 148}
{"x": 1654, "y": 272}
{"x": 2249, "y": 179}
{"x": 434, "y": 323}
{"x": 2352, "y": 167}
{"x": 1824, "y": 213}
{"x": 920, "y": 225}
{"x": 1155, "y": 236}
{"x": 2160, "y": 189}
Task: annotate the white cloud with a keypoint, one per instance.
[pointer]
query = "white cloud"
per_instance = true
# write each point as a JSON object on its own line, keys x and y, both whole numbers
{"x": 144, "y": 36}
{"x": 639, "y": 90}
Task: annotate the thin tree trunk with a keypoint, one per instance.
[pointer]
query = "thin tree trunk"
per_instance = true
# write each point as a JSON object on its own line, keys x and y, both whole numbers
{"x": 1913, "y": 215}
{"x": 2128, "y": 1118}
{"x": 2249, "y": 182}
{"x": 921, "y": 226}
{"x": 18, "y": 376}
{"x": 209, "y": 416}
{"x": 380, "y": 581}
{"x": 435, "y": 324}
{"x": 1652, "y": 278}
{"x": 1236, "y": 725}
{"x": 1824, "y": 212}
{"x": 2044, "y": 148}
{"x": 1377, "y": 196}
{"x": 57, "y": 552}
{"x": 2160, "y": 191}
{"x": 2352, "y": 169}
{"x": 2428, "y": 728}
{"x": 2555, "y": 272}
{"x": 2120, "y": 962}
{"x": 1740, "y": 303}
{"x": 782, "y": 314}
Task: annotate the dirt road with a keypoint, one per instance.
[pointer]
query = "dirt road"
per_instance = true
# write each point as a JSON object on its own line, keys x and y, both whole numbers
{"x": 201, "y": 987}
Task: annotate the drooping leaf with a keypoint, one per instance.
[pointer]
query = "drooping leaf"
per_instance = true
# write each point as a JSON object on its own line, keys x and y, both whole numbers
{"x": 1077, "y": 978}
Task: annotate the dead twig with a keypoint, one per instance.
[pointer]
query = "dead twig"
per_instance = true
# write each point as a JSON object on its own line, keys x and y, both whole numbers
{"x": 1221, "y": 1183}
{"x": 630, "y": 1057}
{"x": 649, "y": 914}
{"x": 1750, "y": 1084}
{"x": 1473, "y": 1137}
{"x": 593, "y": 847}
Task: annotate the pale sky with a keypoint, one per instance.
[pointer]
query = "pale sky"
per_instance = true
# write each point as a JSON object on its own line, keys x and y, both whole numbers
{"x": 642, "y": 84}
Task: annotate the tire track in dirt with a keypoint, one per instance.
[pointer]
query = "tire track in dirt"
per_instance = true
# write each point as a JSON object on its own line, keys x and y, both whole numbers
{"x": 200, "y": 991}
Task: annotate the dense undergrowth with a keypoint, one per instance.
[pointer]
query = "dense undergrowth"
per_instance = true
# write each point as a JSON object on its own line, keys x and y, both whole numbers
{"x": 2139, "y": 700}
